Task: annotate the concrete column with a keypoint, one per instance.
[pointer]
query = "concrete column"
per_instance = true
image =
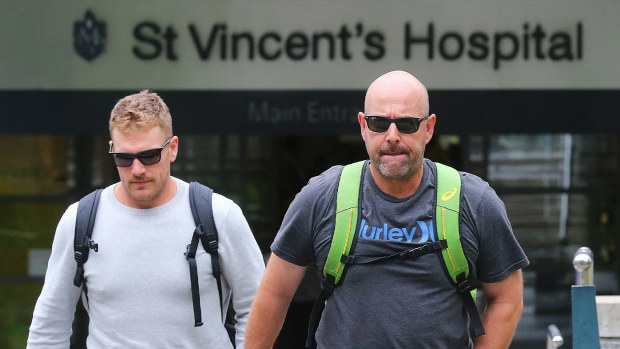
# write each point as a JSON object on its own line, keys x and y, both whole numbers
{"x": 608, "y": 310}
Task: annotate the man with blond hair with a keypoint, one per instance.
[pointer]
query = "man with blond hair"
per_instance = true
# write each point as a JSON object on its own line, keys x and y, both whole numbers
{"x": 404, "y": 302}
{"x": 136, "y": 285}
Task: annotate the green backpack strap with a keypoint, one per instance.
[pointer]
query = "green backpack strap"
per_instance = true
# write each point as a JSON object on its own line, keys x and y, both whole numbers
{"x": 447, "y": 223}
{"x": 447, "y": 217}
{"x": 347, "y": 201}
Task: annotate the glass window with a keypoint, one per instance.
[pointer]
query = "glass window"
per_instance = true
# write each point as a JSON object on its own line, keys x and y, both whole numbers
{"x": 560, "y": 193}
{"x": 34, "y": 165}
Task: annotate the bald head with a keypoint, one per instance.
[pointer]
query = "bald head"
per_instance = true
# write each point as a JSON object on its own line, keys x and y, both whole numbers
{"x": 397, "y": 88}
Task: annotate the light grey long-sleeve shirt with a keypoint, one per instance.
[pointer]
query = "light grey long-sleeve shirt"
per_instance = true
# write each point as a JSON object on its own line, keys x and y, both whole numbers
{"x": 139, "y": 293}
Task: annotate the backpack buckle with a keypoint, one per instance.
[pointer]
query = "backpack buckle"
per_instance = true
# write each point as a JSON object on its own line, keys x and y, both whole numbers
{"x": 200, "y": 231}
{"x": 414, "y": 252}
{"x": 80, "y": 253}
{"x": 78, "y": 256}
{"x": 408, "y": 254}
{"x": 211, "y": 241}
{"x": 347, "y": 259}
{"x": 328, "y": 284}
{"x": 212, "y": 246}
{"x": 187, "y": 252}
{"x": 93, "y": 246}
{"x": 464, "y": 286}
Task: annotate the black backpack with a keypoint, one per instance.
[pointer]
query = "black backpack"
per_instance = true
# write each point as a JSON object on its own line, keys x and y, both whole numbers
{"x": 205, "y": 232}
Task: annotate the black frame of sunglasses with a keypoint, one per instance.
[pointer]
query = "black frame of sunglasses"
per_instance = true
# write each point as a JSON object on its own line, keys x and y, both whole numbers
{"x": 405, "y": 124}
{"x": 143, "y": 156}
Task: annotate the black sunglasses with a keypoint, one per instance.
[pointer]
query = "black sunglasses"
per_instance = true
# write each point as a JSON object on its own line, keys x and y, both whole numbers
{"x": 406, "y": 124}
{"x": 147, "y": 157}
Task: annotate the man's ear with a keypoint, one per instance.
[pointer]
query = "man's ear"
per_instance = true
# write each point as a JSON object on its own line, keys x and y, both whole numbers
{"x": 430, "y": 127}
{"x": 174, "y": 148}
{"x": 362, "y": 122}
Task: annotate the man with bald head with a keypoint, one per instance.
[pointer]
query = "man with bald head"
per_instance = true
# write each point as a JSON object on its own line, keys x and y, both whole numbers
{"x": 396, "y": 303}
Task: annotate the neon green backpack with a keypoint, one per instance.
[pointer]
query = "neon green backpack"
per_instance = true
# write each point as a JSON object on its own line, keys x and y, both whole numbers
{"x": 455, "y": 265}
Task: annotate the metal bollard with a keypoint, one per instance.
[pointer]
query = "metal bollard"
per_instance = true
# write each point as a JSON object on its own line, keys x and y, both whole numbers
{"x": 583, "y": 295}
{"x": 583, "y": 262}
{"x": 554, "y": 337}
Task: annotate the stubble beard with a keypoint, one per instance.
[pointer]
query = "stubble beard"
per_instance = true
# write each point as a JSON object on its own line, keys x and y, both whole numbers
{"x": 148, "y": 194}
{"x": 403, "y": 170}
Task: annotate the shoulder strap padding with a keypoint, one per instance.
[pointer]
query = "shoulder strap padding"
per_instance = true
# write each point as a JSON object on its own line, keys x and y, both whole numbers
{"x": 448, "y": 224}
{"x": 447, "y": 217}
{"x": 200, "y": 197}
{"x": 347, "y": 201}
{"x": 84, "y": 223}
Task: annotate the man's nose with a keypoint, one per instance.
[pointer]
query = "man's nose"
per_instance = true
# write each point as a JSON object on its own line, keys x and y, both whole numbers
{"x": 392, "y": 134}
{"x": 137, "y": 168}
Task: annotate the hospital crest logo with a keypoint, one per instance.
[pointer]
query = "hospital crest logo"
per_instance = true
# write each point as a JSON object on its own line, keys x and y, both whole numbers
{"x": 89, "y": 37}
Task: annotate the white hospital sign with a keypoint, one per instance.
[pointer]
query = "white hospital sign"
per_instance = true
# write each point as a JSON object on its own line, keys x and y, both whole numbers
{"x": 267, "y": 45}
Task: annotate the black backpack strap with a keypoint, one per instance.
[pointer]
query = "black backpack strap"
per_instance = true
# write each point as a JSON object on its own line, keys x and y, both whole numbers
{"x": 84, "y": 223}
{"x": 190, "y": 255}
{"x": 327, "y": 288}
{"x": 200, "y": 200}
{"x": 464, "y": 288}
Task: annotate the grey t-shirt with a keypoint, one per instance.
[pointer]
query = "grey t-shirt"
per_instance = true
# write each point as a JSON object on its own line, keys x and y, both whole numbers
{"x": 398, "y": 303}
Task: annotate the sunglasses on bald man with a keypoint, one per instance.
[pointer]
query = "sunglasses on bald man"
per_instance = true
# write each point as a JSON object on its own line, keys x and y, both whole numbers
{"x": 146, "y": 157}
{"x": 406, "y": 124}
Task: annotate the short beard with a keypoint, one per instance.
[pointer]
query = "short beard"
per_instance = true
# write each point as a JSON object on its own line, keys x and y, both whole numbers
{"x": 405, "y": 170}
{"x": 144, "y": 197}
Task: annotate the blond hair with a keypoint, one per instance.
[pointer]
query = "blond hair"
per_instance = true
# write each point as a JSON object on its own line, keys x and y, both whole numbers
{"x": 139, "y": 111}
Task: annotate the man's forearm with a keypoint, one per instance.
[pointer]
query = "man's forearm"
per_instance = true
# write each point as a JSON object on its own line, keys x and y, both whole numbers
{"x": 500, "y": 321}
{"x": 265, "y": 320}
